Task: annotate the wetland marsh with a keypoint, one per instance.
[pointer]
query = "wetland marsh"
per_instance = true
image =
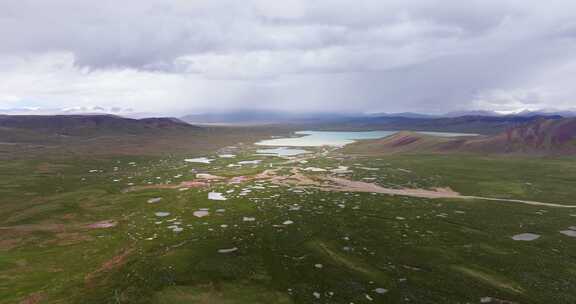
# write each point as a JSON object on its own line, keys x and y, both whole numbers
{"x": 166, "y": 230}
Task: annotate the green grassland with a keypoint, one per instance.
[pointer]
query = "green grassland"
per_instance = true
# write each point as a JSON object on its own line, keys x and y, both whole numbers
{"x": 338, "y": 247}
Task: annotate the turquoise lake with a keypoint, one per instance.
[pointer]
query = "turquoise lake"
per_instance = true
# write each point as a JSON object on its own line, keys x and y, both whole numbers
{"x": 332, "y": 138}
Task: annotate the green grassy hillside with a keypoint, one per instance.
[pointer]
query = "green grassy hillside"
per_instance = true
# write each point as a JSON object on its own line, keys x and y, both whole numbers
{"x": 71, "y": 233}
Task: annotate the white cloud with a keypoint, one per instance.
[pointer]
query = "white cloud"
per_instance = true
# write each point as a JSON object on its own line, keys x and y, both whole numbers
{"x": 365, "y": 55}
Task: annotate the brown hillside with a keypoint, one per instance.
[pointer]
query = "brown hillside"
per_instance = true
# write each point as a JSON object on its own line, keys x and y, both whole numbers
{"x": 541, "y": 137}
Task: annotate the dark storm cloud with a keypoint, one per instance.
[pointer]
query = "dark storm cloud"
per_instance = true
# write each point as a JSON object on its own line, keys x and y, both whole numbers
{"x": 366, "y": 55}
{"x": 150, "y": 33}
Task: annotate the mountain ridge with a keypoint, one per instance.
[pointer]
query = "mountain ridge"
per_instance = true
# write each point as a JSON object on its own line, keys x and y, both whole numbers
{"x": 53, "y": 126}
{"x": 539, "y": 137}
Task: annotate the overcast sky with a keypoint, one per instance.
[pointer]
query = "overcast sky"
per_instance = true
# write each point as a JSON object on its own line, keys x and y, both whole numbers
{"x": 189, "y": 56}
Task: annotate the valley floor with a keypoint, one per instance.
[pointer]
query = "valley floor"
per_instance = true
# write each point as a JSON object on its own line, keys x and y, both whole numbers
{"x": 231, "y": 226}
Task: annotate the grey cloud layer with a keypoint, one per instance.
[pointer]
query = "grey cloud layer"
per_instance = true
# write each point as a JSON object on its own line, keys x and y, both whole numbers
{"x": 367, "y": 55}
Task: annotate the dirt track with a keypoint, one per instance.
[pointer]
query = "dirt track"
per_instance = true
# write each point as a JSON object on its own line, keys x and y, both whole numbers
{"x": 331, "y": 183}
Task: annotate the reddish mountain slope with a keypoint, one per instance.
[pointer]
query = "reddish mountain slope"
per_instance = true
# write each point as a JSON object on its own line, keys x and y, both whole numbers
{"x": 543, "y": 136}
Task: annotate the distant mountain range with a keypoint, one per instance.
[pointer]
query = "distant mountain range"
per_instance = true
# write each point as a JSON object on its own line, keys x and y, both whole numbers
{"x": 266, "y": 117}
{"x": 352, "y": 119}
{"x": 459, "y": 124}
{"x": 543, "y": 136}
{"x": 502, "y": 134}
{"x": 274, "y": 117}
{"x": 526, "y": 113}
{"x": 481, "y": 122}
{"x": 97, "y": 125}
{"x": 34, "y": 126}
{"x": 81, "y": 110}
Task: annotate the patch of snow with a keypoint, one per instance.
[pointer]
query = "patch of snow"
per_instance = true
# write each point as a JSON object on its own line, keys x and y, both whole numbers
{"x": 525, "y": 237}
{"x": 228, "y": 250}
{"x": 216, "y": 196}
{"x": 154, "y": 200}
{"x": 206, "y": 176}
{"x": 250, "y": 162}
{"x": 341, "y": 170}
{"x": 104, "y": 224}
{"x": 314, "y": 169}
{"x": 227, "y": 155}
{"x": 570, "y": 233}
{"x": 201, "y": 213}
{"x": 202, "y": 160}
